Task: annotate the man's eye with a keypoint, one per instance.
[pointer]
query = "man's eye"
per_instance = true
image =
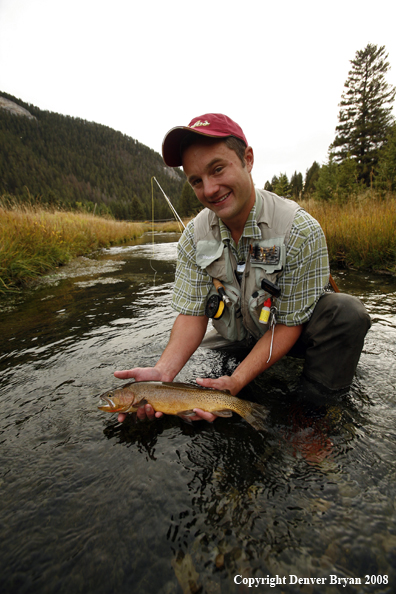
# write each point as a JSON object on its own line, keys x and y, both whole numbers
{"x": 219, "y": 169}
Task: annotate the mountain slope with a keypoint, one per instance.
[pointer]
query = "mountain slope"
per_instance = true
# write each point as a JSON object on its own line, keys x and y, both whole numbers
{"x": 74, "y": 163}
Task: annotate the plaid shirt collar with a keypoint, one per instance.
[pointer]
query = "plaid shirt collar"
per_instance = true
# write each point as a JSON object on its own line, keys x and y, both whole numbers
{"x": 251, "y": 229}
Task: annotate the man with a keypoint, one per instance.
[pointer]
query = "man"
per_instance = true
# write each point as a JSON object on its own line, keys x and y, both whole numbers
{"x": 243, "y": 237}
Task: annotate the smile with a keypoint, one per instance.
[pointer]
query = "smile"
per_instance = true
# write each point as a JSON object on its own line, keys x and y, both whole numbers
{"x": 220, "y": 200}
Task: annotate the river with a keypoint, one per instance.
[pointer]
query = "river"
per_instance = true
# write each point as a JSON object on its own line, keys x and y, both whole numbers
{"x": 90, "y": 505}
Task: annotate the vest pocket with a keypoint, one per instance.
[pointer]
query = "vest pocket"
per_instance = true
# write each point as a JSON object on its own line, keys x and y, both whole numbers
{"x": 230, "y": 325}
{"x": 262, "y": 262}
{"x": 255, "y": 304}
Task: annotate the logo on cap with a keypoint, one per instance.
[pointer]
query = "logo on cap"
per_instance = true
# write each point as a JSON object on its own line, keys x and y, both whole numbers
{"x": 199, "y": 123}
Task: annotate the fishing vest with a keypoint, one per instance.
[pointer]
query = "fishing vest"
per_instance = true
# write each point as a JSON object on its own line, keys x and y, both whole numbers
{"x": 267, "y": 259}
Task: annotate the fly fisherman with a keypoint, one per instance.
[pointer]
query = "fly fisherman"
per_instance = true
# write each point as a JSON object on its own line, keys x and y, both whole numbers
{"x": 271, "y": 259}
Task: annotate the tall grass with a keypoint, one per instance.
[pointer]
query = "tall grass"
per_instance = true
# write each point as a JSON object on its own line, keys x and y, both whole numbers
{"x": 34, "y": 240}
{"x": 360, "y": 233}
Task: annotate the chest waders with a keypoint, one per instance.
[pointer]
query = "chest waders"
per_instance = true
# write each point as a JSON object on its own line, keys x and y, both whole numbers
{"x": 266, "y": 260}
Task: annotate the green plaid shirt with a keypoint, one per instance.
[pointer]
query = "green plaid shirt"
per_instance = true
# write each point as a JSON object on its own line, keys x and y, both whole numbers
{"x": 302, "y": 282}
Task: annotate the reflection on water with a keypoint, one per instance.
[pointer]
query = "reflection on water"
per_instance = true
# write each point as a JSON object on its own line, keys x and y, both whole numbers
{"x": 166, "y": 507}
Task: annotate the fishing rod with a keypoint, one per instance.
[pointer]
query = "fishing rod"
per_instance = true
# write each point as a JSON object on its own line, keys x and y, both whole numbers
{"x": 215, "y": 309}
{"x": 178, "y": 219}
{"x": 169, "y": 203}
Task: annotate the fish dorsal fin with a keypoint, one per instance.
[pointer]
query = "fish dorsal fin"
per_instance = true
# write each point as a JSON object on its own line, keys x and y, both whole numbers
{"x": 183, "y": 385}
{"x": 186, "y": 386}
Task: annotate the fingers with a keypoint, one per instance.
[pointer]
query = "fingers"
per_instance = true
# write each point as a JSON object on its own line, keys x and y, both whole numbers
{"x": 203, "y": 415}
{"x": 147, "y": 412}
{"x": 221, "y": 383}
{"x": 140, "y": 374}
{"x": 207, "y": 382}
{"x": 123, "y": 374}
{"x": 143, "y": 413}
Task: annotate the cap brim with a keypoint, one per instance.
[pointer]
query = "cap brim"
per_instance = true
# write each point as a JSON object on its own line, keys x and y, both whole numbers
{"x": 172, "y": 142}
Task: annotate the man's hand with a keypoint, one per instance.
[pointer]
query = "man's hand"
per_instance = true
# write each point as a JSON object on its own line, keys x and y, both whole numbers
{"x": 141, "y": 374}
{"x": 222, "y": 383}
{"x": 226, "y": 382}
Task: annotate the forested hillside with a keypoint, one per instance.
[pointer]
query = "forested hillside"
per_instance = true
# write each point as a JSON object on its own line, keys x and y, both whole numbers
{"x": 76, "y": 164}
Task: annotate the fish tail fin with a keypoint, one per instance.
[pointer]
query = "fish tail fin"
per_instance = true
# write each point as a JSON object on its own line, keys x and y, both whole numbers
{"x": 256, "y": 416}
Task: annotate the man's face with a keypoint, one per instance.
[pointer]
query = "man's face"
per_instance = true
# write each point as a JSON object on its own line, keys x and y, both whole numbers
{"x": 219, "y": 179}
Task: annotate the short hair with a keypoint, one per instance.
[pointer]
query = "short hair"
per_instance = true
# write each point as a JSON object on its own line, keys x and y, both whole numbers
{"x": 232, "y": 142}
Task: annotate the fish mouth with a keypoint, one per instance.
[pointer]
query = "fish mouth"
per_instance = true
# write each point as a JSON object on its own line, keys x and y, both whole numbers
{"x": 106, "y": 403}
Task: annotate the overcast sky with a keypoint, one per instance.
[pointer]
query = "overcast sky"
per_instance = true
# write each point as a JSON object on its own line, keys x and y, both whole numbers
{"x": 277, "y": 68}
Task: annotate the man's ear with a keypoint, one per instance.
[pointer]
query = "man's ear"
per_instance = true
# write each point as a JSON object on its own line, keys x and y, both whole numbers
{"x": 249, "y": 158}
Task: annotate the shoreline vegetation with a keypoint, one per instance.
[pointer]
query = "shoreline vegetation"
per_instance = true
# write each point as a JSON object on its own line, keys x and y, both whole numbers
{"x": 35, "y": 240}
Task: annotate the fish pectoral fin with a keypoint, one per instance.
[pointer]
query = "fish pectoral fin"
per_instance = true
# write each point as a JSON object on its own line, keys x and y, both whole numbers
{"x": 186, "y": 413}
{"x": 140, "y": 404}
{"x": 222, "y": 413}
{"x": 131, "y": 409}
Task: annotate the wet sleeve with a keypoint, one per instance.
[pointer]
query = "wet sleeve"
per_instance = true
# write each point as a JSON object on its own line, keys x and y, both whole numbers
{"x": 192, "y": 285}
{"x": 306, "y": 271}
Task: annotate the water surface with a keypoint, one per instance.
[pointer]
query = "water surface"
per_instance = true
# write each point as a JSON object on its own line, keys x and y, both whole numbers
{"x": 89, "y": 505}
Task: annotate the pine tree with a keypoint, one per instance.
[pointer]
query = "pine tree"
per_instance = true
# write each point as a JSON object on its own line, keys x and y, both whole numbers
{"x": 296, "y": 185}
{"x": 311, "y": 177}
{"x": 268, "y": 186}
{"x": 189, "y": 203}
{"x": 365, "y": 111}
{"x": 337, "y": 181}
{"x": 386, "y": 178}
{"x": 281, "y": 185}
{"x": 137, "y": 210}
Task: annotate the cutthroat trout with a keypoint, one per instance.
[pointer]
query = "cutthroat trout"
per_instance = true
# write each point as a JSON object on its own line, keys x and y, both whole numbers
{"x": 174, "y": 398}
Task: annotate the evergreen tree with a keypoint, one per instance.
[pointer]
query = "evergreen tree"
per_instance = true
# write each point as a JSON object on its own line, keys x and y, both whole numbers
{"x": 268, "y": 186}
{"x": 337, "y": 181}
{"x": 189, "y": 204}
{"x": 282, "y": 186}
{"x": 274, "y": 183}
{"x": 137, "y": 210}
{"x": 365, "y": 111}
{"x": 296, "y": 185}
{"x": 386, "y": 179}
{"x": 311, "y": 177}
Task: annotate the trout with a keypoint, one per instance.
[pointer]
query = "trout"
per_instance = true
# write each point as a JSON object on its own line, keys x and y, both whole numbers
{"x": 173, "y": 398}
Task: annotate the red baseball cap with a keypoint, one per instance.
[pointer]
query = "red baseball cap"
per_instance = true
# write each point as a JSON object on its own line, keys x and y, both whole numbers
{"x": 214, "y": 125}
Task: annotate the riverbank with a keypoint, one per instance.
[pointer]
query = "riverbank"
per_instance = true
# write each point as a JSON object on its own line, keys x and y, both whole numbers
{"x": 360, "y": 234}
{"x": 33, "y": 241}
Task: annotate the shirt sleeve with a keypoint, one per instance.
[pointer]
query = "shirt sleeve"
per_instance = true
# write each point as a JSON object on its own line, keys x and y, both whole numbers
{"x": 192, "y": 284}
{"x": 306, "y": 271}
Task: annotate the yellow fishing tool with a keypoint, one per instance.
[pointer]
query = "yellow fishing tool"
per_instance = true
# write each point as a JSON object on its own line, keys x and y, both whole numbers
{"x": 215, "y": 305}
